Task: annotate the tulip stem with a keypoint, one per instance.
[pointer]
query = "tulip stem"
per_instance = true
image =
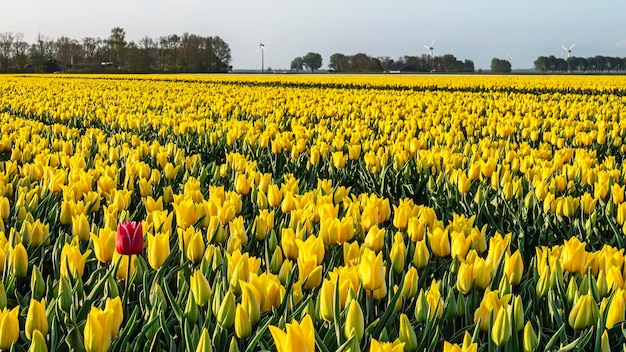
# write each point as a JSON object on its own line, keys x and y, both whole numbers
{"x": 130, "y": 257}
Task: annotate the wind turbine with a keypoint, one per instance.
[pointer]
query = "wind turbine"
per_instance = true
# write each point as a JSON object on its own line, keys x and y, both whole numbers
{"x": 261, "y": 48}
{"x": 569, "y": 50}
{"x": 430, "y": 48}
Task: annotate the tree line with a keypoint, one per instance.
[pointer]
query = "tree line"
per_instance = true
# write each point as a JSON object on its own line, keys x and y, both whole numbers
{"x": 171, "y": 53}
{"x": 364, "y": 63}
{"x": 597, "y": 63}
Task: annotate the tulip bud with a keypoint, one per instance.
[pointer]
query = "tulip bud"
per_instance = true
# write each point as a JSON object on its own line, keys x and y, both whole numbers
{"x": 397, "y": 253}
{"x": 37, "y": 285}
{"x": 461, "y": 304}
{"x": 243, "y": 328}
{"x": 217, "y": 300}
{"x": 158, "y": 249}
{"x": 514, "y": 267}
{"x": 80, "y": 227}
{"x": 501, "y": 329}
{"x": 421, "y": 308}
{"x": 196, "y": 247}
{"x": 407, "y": 334}
{"x": 530, "y": 338}
{"x": 605, "y": 345}
{"x": 19, "y": 261}
{"x": 36, "y": 318}
{"x": 450, "y": 307}
{"x": 111, "y": 286}
{"x": 200, "y": 288}
{"x": 205, "y": 344}
{"x": 355, "y": 322}
{"x": 465, "y": 278}
{"x": 233, "y": 347}
{"x": 505, "y": 287}
{"x": 38, "y": 343}
{"x": 543, "y": 285}
{"x": 518, "y": 313}
{"x": 64, "y": 294}
{"x": 277, "y": 261}
{"x": 191, "y": 310}
{"x": 325, "y": 300}
{"x": 9, "y": 327}
{"x": 250, "y": 302}
{"x": 65, "y": 218}
{"x": 5, "y": 208}
{"x": 410, "y": 286}
{"x": 585, "y": 313}
{"x": 226, "y": 313}
{"x": 572, "y": 290}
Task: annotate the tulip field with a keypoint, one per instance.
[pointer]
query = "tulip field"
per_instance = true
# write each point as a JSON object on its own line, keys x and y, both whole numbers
{"x": 312, "y": 213}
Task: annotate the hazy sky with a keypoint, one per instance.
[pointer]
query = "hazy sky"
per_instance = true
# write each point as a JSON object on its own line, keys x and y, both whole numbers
{"x": 478, "y": 30}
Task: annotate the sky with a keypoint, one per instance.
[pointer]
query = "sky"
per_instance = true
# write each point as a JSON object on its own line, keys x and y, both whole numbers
{"x": 477, "y": 30}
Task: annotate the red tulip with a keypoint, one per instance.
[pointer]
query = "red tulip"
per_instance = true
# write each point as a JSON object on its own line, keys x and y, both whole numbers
{"x": 129, "y": 238}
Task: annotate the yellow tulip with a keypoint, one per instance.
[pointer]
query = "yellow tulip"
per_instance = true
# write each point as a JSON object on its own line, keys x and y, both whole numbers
{"x": 514, "y": 267}
{"x": 185, "y": 212}
{"x": 264, "y": 222}
{"x": 38, "y": 343}
{"x": 407, "y": 334}
{"x": 501, "y": 330}
{"x": 195, "y": 247}
{"x": 242, "y": 184}
{"x": 18, "y": 261}
{"x": 465, "y": 278}
{"x": 375, "y": 238}
{"x": 5, "y": 208}
{"x": 371, "y": 270}
{"x": 98, "y": 331}
{"x": 36, "y": 318}
{"x": 250, "y": 301}
{"x": 200, "y": 288}
{"x": 226, "y": 312}
{"x": 573, "y": 256}
{"x": 9, "y": 327}
{"x": 243, "y": 328}
{"x": 616, "y": 310}
{"x": 104, "y": 244}
{"x": 158, "y": 249}
{"x": 439, "y": 242}
{"x": 410, "y": 286}
{"x": 205, "y": 344}
{"x": 355, "y": 322}
{"x": 530, "y": 340}
{"x": 395, "y": 346}
{"x": 397, "y": 253}
{"x": 584, "y": 313}
{"x": 339, "y": 160}
{"x": 299, "y": 336}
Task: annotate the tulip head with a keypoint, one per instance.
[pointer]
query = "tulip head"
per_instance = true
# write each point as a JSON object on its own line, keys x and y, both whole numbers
{"x": 501, "y": 329}
{"x": 18, "y": 261}
{"x": 9, "y": 327}
{"x": 129, "y": 239}
{"x": 355, "y": 321}
{"x": 584, "y": 313}
{"x": 36, "y": 318}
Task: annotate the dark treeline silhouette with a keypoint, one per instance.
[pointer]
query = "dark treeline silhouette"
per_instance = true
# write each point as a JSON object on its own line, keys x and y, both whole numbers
{"x": 500, "y": 65}
{"x": 363, "y": 63}
{"x": 171, "y": 53}
{"x": 597, "y": 63}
